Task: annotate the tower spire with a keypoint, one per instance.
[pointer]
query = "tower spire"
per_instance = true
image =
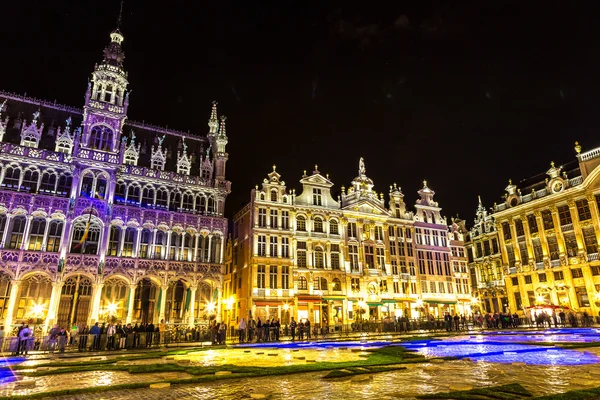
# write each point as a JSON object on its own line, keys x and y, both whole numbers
{"x": 120, "y": 18}
{"x": 213, "y": 121}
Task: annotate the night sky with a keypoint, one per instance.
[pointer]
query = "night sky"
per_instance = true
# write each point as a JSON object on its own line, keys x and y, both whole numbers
{"x": 463, "y": 95}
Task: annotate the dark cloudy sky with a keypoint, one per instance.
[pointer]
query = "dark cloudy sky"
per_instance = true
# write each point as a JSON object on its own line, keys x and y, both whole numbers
{"x": 463, "y": 94}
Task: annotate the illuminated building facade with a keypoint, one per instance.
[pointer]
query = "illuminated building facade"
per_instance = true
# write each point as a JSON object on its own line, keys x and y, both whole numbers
{"x": 104, "y": 218}
{"x": 549, "y": 238}
{"x": 340, "y": 261}
{"x": 485, "y": 263}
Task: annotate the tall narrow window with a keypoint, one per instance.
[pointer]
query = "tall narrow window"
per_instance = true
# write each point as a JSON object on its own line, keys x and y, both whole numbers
{"x": 128, "y": 242}
{"x": 317, "y": 197}
{"x": 571, "y": 244}
{"x": 532, "y": 222}
{"x": 260, "y": 277}
{"x": 273, "y": 277}
{"x": 589, "y": 238}
{"x": 335, "y": 256}
{"x": 114, "y": 241}
{"x": 54, "y": 234}
{"x": 273, "y": 220}
{"x": 285, "y": 247}
{"x": 319, "y": 258}
{"x": 273, "y": 195}
{"x": 369, "y": 257}
{"x": 300, "y": 223}
{"x": 553, "y": 247}
{"x": 301, "y": 255}
{"x": 547, "y": 219}
{"x": 148, "y": 196}
{"x": 583, "y": 210}
{"x": 285, "y": 220}
{"x": 262, "y": 245}
{"x": 48, "y": 184}
{"x": 262, "y": 217}
{"x": 352, "y": 229}
{"x": 36, "y": 234}
{"x": 273, "y": 246}
{"x": 353, "y": 254}
{"x": 381, "y": 258}
{"x": 333, "y": 227}
{"x": 145, "y": 241}
{"x": 564, "y": 215}
{"x": 16, "y": 234}
{"x": 285, "y": 277}
{"x": 318, "y": 224}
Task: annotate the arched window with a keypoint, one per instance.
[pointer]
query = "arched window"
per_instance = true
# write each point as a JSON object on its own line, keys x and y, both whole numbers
{"x": 319, "y": 261}
{"x": 128, "y": 242}
{"x": 63, "y": 187}
{"x": 16, "y": 235}
{"x": 320, "y": 284}
{"x": 300, "y": 223}
{"x": 148, "y": 196}
{"x": 175, "y": 201}
{"x": 11, "y": 178}
{"x": 30, "y": 180}
{"x": 336, "y": 285}
{"x": 160, "y": 245}
{"x": 262, "y": 196}
{"x": 200, "y": 204}
{"x": 318, "y": 224}
{"x": 55, "y": 231}
{"x": 210, "y": 206}
{"x": 302, "y": 283}
{"x": 120, "y": 191}
{"x": 86, "y": 234}
{"x": 162, "y": 198}
{"x": 145, "y": 242}
{"x": 34, "y": 291}
{"x": 101, "y": 184}
{"x": 284, "y": 199}
{"x": 188, "y": 243}
{"x": 114, "y": 241}
{"x": 48, "y": 184}
{"x": 36, "y": 234}
{"x": 273, "y": 195}
{"x": 188, "y": 201}
{"x": 101, "y": 138}
{"x": 133, "y": 194}
{"x": 174, "y": 246}
{"x": 87, "y": 184}
{"x": 334, "y": 228}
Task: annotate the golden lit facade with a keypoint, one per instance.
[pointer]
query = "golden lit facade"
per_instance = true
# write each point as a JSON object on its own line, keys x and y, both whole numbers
{"x": 340, "y": 261}
{"x": 549, "y": 238}
{"x": 485, "y": 264}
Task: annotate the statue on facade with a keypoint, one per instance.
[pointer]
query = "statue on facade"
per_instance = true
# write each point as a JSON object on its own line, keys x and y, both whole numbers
{"x": 362, "y": 171}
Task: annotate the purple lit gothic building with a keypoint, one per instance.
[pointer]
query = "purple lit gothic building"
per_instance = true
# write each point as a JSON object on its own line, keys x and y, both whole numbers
{"x": 102, "y": 218}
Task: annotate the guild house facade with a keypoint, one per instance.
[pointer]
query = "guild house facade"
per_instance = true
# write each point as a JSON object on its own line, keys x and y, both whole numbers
{"x": 337, "y": 261}
{"x": 549, "y": 233}
{"x": 102, "y": 218}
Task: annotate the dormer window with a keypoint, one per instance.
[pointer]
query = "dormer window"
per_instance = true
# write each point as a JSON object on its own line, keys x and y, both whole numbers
{"x": 317, "y": 197}
{"x": 273, "y": 195}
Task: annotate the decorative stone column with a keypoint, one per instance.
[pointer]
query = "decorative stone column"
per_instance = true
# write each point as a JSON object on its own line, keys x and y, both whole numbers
{"x": 6, "y": 229}
{"x": 14, "y": 292}
{"x": 122, "y": 240}
{"x": 26, "y": 233}
{"x": 192, "y": 309}
{"x": 96, "y": 295}
{"x": 163, "y": 302}
{"x": 53, "y": 305}
{"x": 595, "y": 219}
{"x": 196, "y": 242}
{"x": 138, "y": 240}
{"x": 130, "y": 304}
{"x": 45, "y": 239}
{"x": 576, "y": 227}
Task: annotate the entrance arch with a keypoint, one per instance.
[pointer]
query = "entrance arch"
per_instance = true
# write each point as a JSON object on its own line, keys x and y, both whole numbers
{"x": 146, "y": 300}
{"x": 177, "y": 302}
{"x": 75, "y": 301}
{"x": 113, "y": 303}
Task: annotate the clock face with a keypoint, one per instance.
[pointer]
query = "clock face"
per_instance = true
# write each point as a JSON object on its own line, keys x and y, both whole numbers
{"x": 557, "y": 187}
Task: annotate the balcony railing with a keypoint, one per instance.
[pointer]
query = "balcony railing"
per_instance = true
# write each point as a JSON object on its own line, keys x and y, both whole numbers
{"x": 566, "y": 227}
{"x": 555, "y": 263}
{"x": 592, "y": 256}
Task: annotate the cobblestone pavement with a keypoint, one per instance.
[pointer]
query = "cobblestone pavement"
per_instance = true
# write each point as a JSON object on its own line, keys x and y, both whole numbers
{"x": 405, "y": 384}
